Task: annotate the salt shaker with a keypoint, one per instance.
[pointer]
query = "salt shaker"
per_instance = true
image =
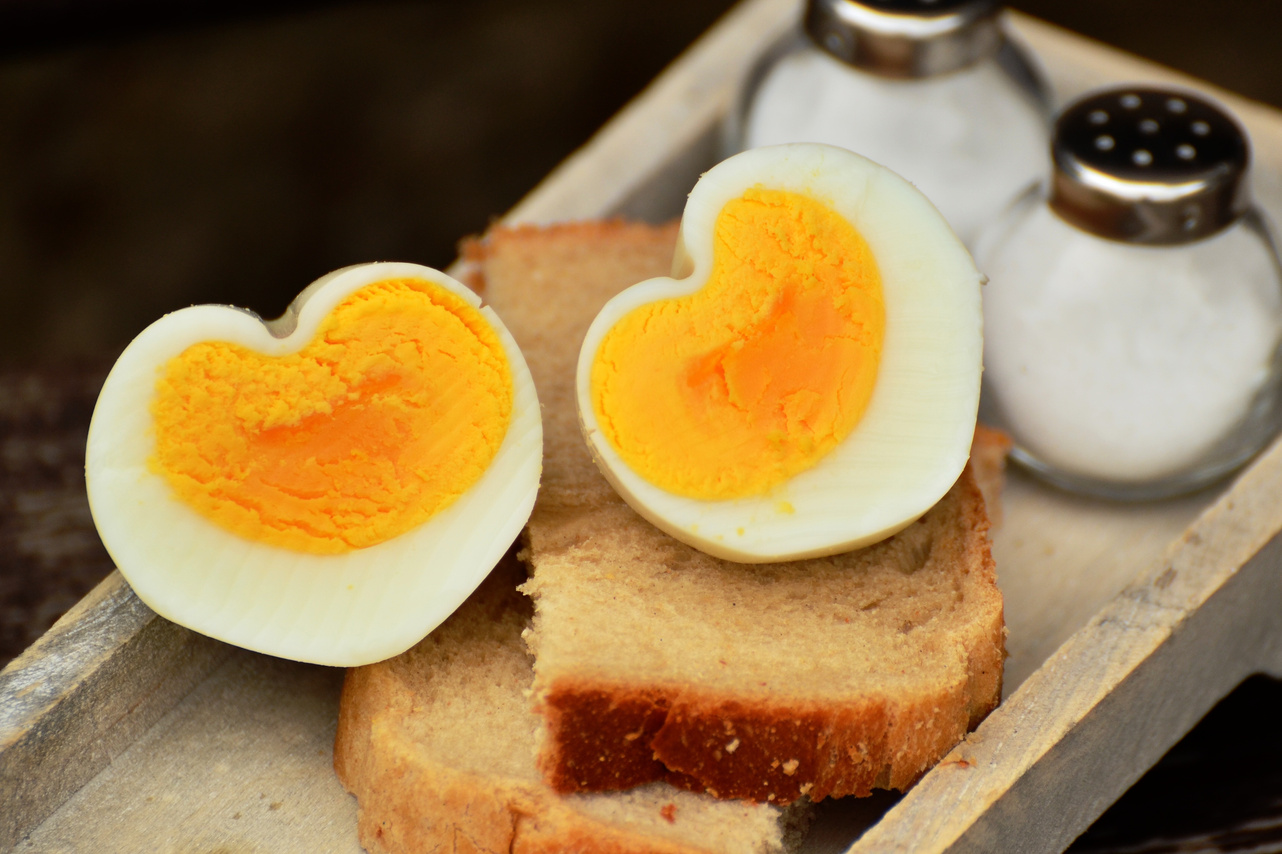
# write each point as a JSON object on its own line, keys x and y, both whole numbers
{"x": 1133, "y": 313}
{"x": 932, "y": 89}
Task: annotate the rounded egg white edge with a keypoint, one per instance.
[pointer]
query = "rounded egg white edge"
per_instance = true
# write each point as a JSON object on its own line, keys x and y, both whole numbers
{"x": 828, "y": 515}
{"x": 354, "y": 608}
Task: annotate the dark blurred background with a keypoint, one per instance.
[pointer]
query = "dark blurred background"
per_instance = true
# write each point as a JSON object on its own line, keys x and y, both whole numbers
{"x": 157, "y": 154}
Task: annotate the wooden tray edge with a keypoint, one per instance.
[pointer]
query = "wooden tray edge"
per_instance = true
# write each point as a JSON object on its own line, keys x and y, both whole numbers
{"x": 85, "y": 691}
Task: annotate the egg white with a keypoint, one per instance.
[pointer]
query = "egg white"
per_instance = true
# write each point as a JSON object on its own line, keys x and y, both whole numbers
{"x": 914, "y": 438}
{"x": 348, "y": 609}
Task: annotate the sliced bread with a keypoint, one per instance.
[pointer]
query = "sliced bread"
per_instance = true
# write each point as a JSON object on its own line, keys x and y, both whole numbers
{"x": 437, "y": 744}
{"x": 768, "y": 682}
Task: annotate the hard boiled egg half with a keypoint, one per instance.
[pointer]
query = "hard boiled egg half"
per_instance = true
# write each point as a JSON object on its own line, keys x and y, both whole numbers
{"x": 328, "y": 486}
{"x": 807, "y": 380}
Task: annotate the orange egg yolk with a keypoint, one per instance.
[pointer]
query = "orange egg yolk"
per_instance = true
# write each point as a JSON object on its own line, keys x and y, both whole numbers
{"x": 390, "y": 413}
{"x": 732, "y": 390}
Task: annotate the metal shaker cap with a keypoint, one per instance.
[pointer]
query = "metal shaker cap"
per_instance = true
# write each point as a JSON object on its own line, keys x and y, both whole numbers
{"x": 906, "y": 38}
{"x": 1149, "y": 166}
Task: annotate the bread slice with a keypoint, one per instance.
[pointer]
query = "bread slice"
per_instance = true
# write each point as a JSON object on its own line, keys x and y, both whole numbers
{"x": 437, "y": 744}
{"x": 769, "y": 682}
{"x": 988, "y": 454}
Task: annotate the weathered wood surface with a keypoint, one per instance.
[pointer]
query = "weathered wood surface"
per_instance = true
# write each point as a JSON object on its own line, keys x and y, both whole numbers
{"x": 1110, "y": 701}
{"x": 1124, "y": 629}
{"x": 242, "y": 766}
{"x": 84, "y": 694}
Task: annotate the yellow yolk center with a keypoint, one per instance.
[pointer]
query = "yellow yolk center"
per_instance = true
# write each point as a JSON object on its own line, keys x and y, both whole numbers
{"x": 734, "y": 389}
{"x": 388, "y": 415}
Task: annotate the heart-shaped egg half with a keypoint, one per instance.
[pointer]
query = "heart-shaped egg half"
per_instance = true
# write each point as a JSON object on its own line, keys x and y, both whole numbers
{"x": 328, "y": 486}
{"x": 807, "y": 380}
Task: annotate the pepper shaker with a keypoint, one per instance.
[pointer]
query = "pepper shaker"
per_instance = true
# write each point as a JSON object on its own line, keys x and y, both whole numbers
{"x": 932, "y": 89}
{"x": 1133, "y": 313}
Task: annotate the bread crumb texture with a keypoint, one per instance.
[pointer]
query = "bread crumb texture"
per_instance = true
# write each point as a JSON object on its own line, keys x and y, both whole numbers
{"x": 734, "y": 389}
{"x": 654, "y": 661}
{"x": 394, "y": 409}
{"x": 437, "y": 744}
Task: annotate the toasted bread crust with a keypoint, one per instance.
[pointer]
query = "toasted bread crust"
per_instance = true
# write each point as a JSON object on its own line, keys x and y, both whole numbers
{"x": 611, "y": 735}
{"x": 988, "y": 455}
{"x": 558, "y": 832}
{"x": 616, "y": 727}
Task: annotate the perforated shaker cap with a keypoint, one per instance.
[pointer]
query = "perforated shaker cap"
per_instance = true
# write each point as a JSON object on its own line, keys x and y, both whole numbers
{"x": 1150, "y": 166}
{"x": 906, "y": 38}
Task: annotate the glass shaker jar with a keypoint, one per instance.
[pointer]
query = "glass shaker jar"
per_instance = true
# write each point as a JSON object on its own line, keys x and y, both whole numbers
{"x": 1133, "y": 313}
{"x": 931, "y": 89}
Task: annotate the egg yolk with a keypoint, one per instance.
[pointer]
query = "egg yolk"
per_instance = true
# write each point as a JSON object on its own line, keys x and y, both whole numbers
{"x": 732, "y": 390}
{"x": 390, "y": 413}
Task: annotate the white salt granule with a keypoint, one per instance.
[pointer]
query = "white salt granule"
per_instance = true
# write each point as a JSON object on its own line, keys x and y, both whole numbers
{"x": 970, "y": 139}
{"x": 1122, "y": 362}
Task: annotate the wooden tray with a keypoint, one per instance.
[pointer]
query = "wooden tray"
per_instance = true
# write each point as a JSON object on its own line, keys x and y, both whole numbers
{"x": 121, "y": 731}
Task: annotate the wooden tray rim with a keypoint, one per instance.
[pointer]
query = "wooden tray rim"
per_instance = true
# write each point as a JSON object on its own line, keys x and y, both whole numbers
{"x": 110, "y": 668}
